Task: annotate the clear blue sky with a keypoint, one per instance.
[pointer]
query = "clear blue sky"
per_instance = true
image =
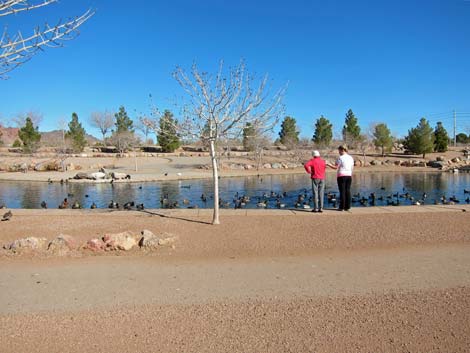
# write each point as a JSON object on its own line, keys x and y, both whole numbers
{"x": 390, "y": 61}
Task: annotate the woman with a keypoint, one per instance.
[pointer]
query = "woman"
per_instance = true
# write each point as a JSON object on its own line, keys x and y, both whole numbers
{"x": 344, "y": 166}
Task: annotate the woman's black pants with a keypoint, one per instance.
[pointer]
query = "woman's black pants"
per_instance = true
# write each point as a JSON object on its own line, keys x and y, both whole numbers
{"x": 344, "y": 186}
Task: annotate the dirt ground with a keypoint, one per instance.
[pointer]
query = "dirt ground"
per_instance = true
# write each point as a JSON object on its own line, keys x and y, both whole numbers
{"x": 384, "y": 279}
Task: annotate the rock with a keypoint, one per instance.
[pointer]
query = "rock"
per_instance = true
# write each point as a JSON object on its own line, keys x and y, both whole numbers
{"x": 375, "y": 162}
{"x": 149, "y": 240}
{"x": 267, "y": 166}
{"x": 97, "y": 175}
{"x": 94, "y": 244}
{"x": 440, "y": 158}
{"x": 119, "y": 241}
{"x": 118, "y": 176}
{"x": 456, "y": 160}
{"x": 276, "y": 165}
{"x": 27, "y": 244}
{"x": 62, "y": 244}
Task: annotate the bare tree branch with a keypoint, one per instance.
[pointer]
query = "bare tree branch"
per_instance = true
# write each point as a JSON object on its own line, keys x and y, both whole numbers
{"x": 17, "y": 49}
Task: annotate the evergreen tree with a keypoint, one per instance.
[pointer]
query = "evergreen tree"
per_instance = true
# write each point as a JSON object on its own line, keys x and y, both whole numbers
{"x": 289, "y": 134}
{"x": 323, "y": 132}
{"x": 420, "y": 140}
{"x": 351, "y": 131}
{"x": 30, "y": 136}
{"x": 76, "y": 133}
{"x": 249, "y": 133}
{"x": 382, "y": 137}
{"x": 123, "y": 122}
{"x": 461, "y": 138}
{"x": 441, "y": 139}
{"x": 167, "y": 137}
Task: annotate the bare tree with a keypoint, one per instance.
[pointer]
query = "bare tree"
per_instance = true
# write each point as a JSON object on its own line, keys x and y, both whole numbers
{"x": 20, "y": 119}
{"x": 103, "y": 121}
{"x": 17, "y": 49}
{"x": 143, "y": 124}
{"x": 218, "y": 106}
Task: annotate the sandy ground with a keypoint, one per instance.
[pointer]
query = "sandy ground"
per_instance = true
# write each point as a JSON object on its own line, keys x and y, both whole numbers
{"x": 384, "y": 279}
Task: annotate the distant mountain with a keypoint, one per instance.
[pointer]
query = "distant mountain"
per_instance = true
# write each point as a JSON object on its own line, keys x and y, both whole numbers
{"x": 48, "y": 138}
{"x": 54, "y": 138}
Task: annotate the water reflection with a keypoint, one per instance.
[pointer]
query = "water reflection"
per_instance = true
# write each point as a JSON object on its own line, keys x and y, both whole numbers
{"x": 384, "y": 185}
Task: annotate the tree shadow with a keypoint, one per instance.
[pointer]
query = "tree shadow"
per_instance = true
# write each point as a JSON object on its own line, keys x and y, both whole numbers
{"x": 174, "y": 217}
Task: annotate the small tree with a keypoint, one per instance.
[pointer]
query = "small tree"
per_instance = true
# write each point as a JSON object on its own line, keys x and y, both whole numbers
{"x": 441, "y": 138}
{"x": 76, "y": 134}
{"x": 461, "y": 138}
{"x": 167, "y": 135}
{"x": 143, "y": 126}
{"x": 123, "y": 122}
{"x": 103, "y": 121}
{"x": 323, "y": 132}
{"x": 219, "y": 106}
{"x": 382, "y": 138}
{"x": 289, "y": 134}
{"x": 351, "y": 130}
{"x": 420, "y": 140}
{"x": 30, "y": 136}
{"x": 123, "y": 141}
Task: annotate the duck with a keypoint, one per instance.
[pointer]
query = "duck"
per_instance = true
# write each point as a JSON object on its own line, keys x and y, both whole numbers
{"x": 64, "y": 204}
{"x": 140, "y": 207}
{"x": 7, "y": 216}
{"x": 93, "y": 206}
{"x": 76, "y": 205}
{"x": 43, "y": 204}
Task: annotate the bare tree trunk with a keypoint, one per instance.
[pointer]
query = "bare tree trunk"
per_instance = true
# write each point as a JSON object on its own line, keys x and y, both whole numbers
{"x": 215, "y": 176}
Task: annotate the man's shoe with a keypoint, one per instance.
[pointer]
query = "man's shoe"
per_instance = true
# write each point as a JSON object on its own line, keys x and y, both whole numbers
{"x": 320, "y": 210}
{"x": 314, "y": 210}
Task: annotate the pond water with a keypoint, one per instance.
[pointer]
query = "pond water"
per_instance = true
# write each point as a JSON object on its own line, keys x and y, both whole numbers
{"x": 388, "y": 187}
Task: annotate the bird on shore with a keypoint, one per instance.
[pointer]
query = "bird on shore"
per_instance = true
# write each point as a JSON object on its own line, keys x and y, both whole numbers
{"x": 140, "y": 207}
{"x": 93, "y": 206}
{"x": 113, "y": 204}
{"x": 43, "y": 204}
{"x": 7, "y": 216}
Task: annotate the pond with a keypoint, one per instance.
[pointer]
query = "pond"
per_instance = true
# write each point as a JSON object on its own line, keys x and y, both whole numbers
{"x": 389, "y": 188}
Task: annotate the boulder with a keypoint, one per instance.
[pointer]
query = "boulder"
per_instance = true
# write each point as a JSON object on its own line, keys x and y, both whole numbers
{"x": 440, "y": 158}
{"x": 149, "y": 240}
{"x": 267, "y": 166}
{"x": 119, "y": 241}
{"x": 276, "y": 166}
{"x": 456, "y": 160}
{"x": 62, "y": 244}
{"x": 118, "y": 176}
{"x": 97, "y": 175}
{"x": 27, "y": 244}
{"x": 375, "y": 162}
{"x": 94, "y": 244}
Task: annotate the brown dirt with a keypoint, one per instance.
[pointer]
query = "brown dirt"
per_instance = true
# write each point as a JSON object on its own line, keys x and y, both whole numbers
{"x": 381, "y": 279}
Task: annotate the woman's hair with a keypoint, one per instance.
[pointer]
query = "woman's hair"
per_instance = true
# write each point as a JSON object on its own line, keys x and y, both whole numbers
{"x": 343, "y": 148}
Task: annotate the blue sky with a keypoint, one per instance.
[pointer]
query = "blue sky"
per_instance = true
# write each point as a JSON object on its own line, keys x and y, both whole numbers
{"x": 389, "y": 61}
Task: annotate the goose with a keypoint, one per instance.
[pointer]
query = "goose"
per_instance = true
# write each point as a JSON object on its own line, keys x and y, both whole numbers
{"x": 43, "y": 204}
{"x": 7, "y": 216}
{"x": 113, "y": 204}
{"x": 128, "y": 205}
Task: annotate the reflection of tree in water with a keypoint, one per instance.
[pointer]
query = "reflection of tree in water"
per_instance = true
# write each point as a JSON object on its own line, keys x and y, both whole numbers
{"x": 433, "y": 184}
{"x": 30, "y": 194}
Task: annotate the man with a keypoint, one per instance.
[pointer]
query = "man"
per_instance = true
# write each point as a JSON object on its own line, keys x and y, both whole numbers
{"x": 316, "y": 168}
{"x": 344, "y": 166}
